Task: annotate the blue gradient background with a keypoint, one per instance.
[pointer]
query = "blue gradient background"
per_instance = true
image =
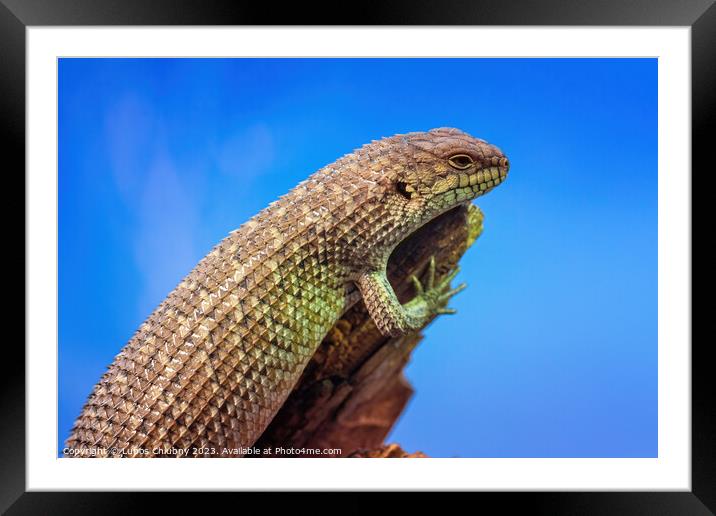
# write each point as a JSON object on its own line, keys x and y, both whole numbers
{"x": 553, "y": 352}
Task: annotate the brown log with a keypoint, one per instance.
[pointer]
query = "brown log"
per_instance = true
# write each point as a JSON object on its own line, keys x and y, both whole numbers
{"x": 388, "y": 451}
{"x": 353, "y": 390}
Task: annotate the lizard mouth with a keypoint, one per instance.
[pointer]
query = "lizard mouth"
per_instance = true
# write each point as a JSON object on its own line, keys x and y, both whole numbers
{"x": 461, "y": 187}
{"x": 483, "y": 179}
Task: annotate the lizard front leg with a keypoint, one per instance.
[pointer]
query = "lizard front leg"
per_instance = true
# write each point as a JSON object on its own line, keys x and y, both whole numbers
{"x": 394, "y": 319}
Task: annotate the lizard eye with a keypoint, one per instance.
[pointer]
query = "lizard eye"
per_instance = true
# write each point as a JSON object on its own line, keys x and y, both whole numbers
{"x": 404, "y": 189}
{"x": 460, "y": 161}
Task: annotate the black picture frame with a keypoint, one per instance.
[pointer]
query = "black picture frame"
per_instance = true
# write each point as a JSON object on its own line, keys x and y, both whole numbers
{"x": 700, "y": 15}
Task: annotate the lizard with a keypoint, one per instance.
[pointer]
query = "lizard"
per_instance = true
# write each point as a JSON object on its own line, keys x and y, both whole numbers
{"x": 213, "y": 363}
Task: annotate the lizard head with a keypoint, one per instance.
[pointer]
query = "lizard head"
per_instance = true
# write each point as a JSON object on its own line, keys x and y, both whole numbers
{"x": 425, "y": 174}
{"x": 446, "y": 167}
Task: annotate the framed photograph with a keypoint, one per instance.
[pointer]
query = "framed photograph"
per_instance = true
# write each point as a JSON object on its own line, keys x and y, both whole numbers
{"x": 457, "y": 239}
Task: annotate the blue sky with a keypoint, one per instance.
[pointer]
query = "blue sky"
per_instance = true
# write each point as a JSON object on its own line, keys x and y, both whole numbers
{"x": 553, "y": 352}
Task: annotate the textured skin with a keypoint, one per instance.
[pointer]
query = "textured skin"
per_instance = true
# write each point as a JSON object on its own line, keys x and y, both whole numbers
{"x": 211, "y": 366}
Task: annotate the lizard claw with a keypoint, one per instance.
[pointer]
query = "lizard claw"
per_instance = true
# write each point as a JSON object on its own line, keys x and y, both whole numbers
{"x": 447, "y": 279}
{"x": 447, "y": 295}
{"x": 431, "y": 273}
{"x": 417, "y": 285}
{"x": 437, "y": 296}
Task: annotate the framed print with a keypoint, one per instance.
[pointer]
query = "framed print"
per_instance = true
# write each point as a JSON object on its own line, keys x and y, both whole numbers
{"x": 251, "y": 244}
